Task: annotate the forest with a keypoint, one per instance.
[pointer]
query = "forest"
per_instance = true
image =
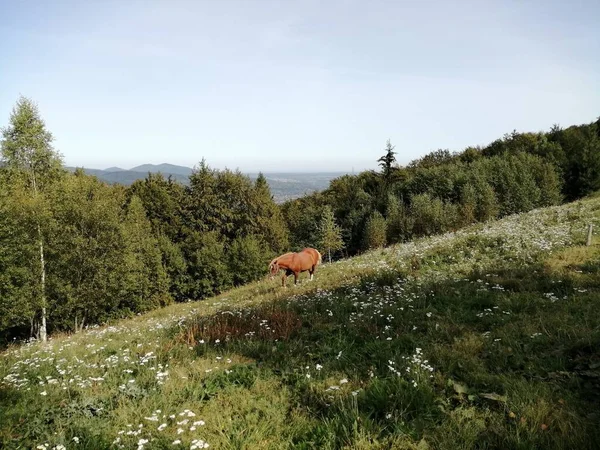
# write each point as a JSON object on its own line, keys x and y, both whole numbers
{"x": 76, "y": 251}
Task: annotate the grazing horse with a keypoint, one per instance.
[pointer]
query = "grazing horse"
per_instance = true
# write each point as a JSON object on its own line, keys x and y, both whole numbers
{"x": 295, "y": 263}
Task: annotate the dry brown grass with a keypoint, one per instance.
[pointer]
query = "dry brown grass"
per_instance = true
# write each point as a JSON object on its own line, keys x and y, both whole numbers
{"x": 270, "y": 323}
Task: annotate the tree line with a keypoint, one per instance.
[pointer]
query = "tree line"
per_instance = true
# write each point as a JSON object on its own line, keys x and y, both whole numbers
{"x": 443, "y": 191}
{"x": 76, "y": 251}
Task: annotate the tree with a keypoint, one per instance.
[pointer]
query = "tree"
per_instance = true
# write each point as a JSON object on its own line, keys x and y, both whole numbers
{"x": 162, "y": 200}
{"x": 208, "y": 270}
{"x": 468, "y": 203}
{"x": 487, "y": 202}
{"x": 28, "y": 155}
{"x": 17, "y": 263}
{"x": 247, "y": 259}
{"x": 86, "y": 259}
{"x": 428, "y": 214}
{"x": 267, "y": 217}
{"x": 387, "y": 160}
{"x": 375, "y": 231}
{"x": 146, "y": 283}
{"x": 330, "y": 232}
{"x": 399, "y": 223}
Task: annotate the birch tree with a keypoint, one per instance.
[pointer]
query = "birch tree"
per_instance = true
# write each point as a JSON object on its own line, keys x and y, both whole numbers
{"x": 27, "y": 155}
{"x": 331, "y": 234}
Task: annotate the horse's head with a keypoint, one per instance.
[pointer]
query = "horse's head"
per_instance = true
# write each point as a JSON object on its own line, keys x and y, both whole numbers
{"x": 273, "y": 268}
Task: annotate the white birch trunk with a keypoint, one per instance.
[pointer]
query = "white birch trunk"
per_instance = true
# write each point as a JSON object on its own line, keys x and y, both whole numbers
{"x": 43, "y": 334}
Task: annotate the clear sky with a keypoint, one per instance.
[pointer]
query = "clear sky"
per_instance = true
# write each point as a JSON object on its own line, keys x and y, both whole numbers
{"x": 295, "y": 85}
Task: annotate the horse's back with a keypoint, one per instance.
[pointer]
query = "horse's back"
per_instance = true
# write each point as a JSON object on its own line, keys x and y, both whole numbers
{"x": 314, "y": 254}
{"x": 301, "y": 261}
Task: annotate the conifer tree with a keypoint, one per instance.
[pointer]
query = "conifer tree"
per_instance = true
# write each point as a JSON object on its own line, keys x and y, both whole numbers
{"x": 146, "y": 284}
{"x": 387, "y": 160}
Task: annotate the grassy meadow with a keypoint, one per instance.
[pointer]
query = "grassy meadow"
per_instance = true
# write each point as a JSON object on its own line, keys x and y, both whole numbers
{"x": 488, "y": 337}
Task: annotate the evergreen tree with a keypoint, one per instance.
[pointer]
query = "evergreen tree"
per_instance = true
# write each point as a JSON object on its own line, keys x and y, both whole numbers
{"x": 146, "y": 283}
{"x": 330, "y": 233}
{"x": 163, "y": 203}
{"x": 387, "y": 160}
{"x": 32, "y": 163}
{"x": 268, "y": 219}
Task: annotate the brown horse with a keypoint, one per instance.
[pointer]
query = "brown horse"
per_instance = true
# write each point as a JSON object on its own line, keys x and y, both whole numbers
{"x": 295, "y": 263}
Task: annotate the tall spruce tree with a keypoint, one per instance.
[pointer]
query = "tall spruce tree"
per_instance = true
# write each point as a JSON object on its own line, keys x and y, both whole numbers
{"x": 387, "y": 160}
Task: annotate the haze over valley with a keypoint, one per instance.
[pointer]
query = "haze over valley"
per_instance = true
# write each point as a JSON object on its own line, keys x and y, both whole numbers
{"x": 284, "y": 185}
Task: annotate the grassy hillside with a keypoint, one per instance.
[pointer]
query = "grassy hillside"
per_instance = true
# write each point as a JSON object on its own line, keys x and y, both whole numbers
{"x": 484, "y": 338}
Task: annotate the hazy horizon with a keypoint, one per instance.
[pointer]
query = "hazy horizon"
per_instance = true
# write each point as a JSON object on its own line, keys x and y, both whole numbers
{"x": 210, "y": 165}
{"x": 295, "y": 87}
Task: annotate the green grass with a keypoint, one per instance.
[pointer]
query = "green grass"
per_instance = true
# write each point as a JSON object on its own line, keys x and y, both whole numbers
{"x": 485, "y": 338}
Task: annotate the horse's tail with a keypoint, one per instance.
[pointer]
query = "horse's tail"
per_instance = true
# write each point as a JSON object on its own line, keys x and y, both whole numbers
{"x": 320, "y": 258}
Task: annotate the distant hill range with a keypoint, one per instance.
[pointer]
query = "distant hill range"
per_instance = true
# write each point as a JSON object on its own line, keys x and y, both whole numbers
{"x": 284, "y": 186}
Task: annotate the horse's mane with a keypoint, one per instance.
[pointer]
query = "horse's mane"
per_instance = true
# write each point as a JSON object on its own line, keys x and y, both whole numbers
{"x": 274, "y": 261}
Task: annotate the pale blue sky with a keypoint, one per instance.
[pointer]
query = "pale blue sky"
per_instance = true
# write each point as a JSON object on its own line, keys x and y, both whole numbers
{"x": 303, "y": 85}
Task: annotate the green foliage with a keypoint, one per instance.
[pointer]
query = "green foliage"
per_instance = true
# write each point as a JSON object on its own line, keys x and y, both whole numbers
{"x": 399, "y": 222}
{"x": 145, "y": 282}
{"x": 74, "y": 250}
{"x": 163, "y": 201}
{"x": 468, "y": 203}
{"x": 176, "y": 266}
{"x": 330, "y": 233}
{"x": 207, "y": 265}
{"x": 302, "y": 218}
{"x": 490, "y": 341}
{"x": 26, "y": 149}
{"x": 17, "y": 263}
{"x": 487, "y": 203}
{"x": 438, "y": 158}
{"x": 31, "y": 165}
{"x": 247, "y": 259}
{"x": 581, "y": 145}
{"x": 86, "y": 253}
{"x": 375, "y": 231}
{"x": 428, "y": 214}
{"x": 267, "y": 217}
{"x": 387, "y": 160}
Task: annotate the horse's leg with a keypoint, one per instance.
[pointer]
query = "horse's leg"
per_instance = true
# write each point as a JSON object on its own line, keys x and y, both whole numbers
{"x": 312, "y": 272}
{"x": 296, "y": 277}
{"x": 283, "y": 277}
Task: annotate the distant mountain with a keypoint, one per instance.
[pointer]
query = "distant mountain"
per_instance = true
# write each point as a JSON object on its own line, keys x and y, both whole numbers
{"x": 284, "y": 186}
{"x": 163, "y": 168}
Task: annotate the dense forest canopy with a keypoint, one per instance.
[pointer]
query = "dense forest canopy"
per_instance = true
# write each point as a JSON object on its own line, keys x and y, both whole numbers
{"x": 76, "y": 251}
{"x": 443, "y": 191}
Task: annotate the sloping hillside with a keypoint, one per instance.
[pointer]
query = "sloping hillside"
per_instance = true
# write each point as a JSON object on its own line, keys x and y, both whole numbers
{"x": 484, "y": 338}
